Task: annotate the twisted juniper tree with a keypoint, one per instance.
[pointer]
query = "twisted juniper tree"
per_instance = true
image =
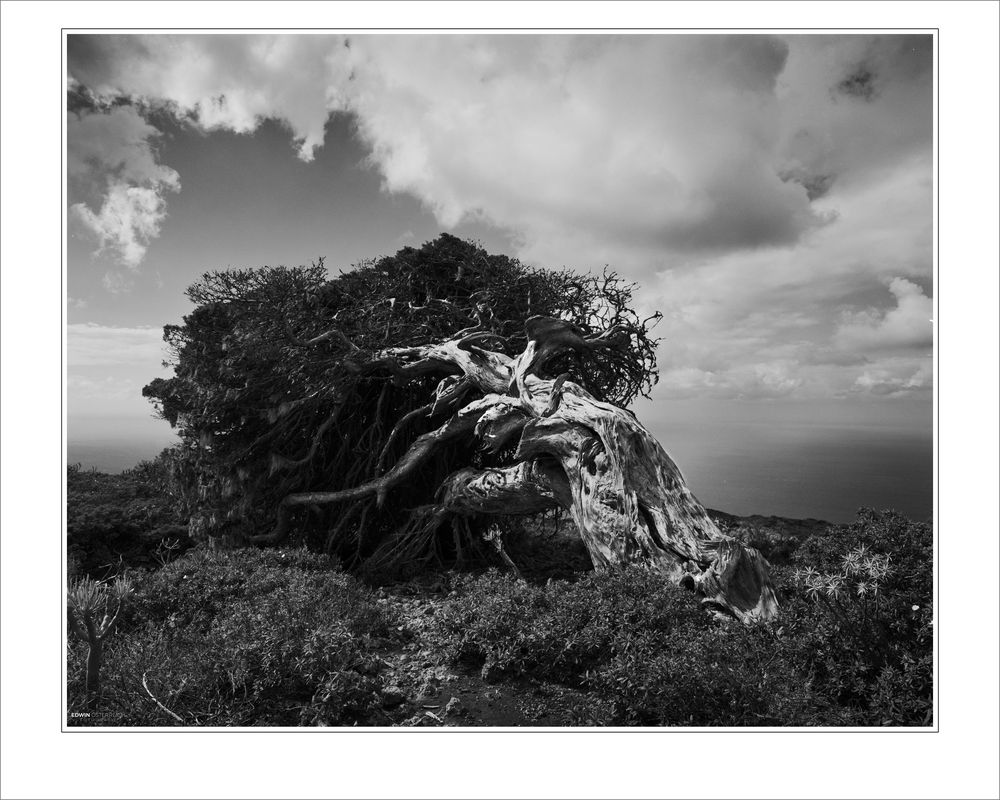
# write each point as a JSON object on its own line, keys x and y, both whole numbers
{"x": 389, "y": 415}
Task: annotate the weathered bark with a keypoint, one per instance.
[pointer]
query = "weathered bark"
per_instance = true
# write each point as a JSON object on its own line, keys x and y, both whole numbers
{"x": 626, "y": 496}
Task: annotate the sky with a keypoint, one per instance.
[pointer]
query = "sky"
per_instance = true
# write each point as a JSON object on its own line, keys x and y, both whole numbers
{"x": 771, "y": 195}
{"x": 880, "y": 149}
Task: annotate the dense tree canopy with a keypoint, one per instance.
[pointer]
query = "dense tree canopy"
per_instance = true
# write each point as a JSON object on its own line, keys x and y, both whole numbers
{"x": 283, "y": 383}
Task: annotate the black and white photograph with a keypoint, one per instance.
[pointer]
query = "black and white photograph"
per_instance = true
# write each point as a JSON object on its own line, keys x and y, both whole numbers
{"x": 503, "y": 380}
{"x": 500, "y": 380}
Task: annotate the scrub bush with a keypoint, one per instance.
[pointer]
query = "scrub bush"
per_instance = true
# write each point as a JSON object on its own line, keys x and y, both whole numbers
{"x": 242, "y": 638}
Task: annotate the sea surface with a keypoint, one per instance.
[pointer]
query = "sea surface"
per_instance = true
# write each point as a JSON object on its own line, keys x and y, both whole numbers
{"x": 802, "y": 471}
{"x": 790, "y": 470}
{"x": 114, "y": 444}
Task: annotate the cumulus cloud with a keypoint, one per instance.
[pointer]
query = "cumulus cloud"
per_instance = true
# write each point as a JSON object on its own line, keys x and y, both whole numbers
{"x": 221, "y": 82}
{"x": 110, "y": 153}
{"x": 128, "y": 218}
{"x": 581, "y": 145}
{"x": 764, "y": 190}
{"x": 770, "y": 379}
{"x": 116, "y": 142}
{"x": 908, "y": 326}
{"x": 895, "y": 378}
{"x": 93, "y": 345}
{"x": 822, "y": 310}
{"x": 772, "y": 331}
{"x": 656, "y": 142}
{"x": 643, "y": 142}
{"x": 641, "y": 151}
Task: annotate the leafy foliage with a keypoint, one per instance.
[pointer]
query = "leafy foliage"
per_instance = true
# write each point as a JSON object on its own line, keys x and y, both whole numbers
{"x": 115, "y": 521}
{"x": 266, "y": 637}
{"x": 561, "y": 629}
{"x": 93, "y": 608}
{"x": 836, "y": 656}
{"x": 242, "y": 638}
{"x": 280, "y": 384}
{"x": 647, "y": 651}
{"x": 861, "y": 604}
{"x": 883, "y": 534}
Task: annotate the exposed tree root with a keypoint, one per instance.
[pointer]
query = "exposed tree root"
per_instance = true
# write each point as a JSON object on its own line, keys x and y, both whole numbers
{"x": 594, "y": 459}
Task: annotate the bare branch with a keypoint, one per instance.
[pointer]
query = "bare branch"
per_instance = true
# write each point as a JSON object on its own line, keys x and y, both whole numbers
{"x": 399, "y": 427}
{"x": 419, "y": 452}
{"x": 333, "y": 333}
{"x": 404, "y": 373}
{"x": 162, "y": 707}
{"x": 466, "y": 342}
{"x": 281, "y": 462}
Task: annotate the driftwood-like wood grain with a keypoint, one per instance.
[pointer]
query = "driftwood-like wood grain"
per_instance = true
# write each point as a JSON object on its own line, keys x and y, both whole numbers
{"x": 626, "y": 496}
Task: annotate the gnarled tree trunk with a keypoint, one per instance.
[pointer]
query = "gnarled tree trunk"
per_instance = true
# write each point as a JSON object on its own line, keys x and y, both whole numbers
{"x": 625, "y": 494}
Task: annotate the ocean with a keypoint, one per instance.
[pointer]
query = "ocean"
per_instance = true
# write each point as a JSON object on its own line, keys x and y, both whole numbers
{"x": 790, "y": 470}
{"x": 803, "y": 470}
{"x": 114, "y": 444}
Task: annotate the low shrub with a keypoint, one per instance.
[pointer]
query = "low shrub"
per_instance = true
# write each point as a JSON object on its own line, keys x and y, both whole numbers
{"x": 121, "y": 520}
{"x": 852, "y": 645}
{"x": 559, "y": 630}
{"x": 244, "y": 637}
{"x": 648, "y": 651}
{"x": 721, "y": 676}
{"x": 282, "y": 637}
{"x": 860, "y": 606}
